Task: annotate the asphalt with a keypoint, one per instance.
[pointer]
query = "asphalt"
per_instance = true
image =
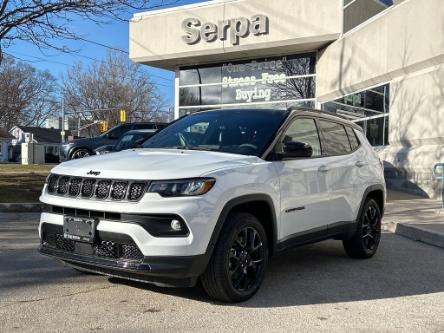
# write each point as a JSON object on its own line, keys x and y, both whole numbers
{"x": 312, "y": 288}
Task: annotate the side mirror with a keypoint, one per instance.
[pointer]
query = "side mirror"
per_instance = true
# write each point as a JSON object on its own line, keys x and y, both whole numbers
{"x": 296, "y": 149}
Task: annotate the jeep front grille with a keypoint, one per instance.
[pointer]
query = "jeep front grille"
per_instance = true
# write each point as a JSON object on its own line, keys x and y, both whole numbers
{"x": 88, "y": 188}
{"x": 118, "y": 191}
{"x": 136, "y": 191}
{"x": 99, "y": 189}
{"x": 102, "y": 189}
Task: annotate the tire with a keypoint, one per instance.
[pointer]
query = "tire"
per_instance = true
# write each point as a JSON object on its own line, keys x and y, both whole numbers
{"x": 365, "y": 241}
{"x": 240, "y": 257}
{"x": 80, "y": 153}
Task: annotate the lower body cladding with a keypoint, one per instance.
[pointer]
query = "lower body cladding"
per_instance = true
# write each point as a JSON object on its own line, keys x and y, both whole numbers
{"x": 118, "y": 247}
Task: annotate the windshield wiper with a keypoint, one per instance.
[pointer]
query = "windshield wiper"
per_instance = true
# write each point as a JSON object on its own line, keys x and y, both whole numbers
{"x": 194, "y": 148}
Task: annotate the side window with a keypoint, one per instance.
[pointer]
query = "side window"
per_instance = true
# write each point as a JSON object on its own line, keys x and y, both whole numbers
{"x": 119, "y": 131}
{"x": 354, "y": 142}
{"x": 335, "y": 140}
{"x": 304, "y": 130}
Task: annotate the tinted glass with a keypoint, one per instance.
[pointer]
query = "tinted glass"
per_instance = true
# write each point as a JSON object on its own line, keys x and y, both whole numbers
{"x": 362, "y": 108}
{"x": 359, "y": 11}
{"x": 354, "y": 143}
{"x": 128, "y": 140}
{"x": 246, "y": 82}
{"x": 117, "y": 132}
{"x": 335, "y": 140}
{"x": 144, "y": 126}
{"x": 245, "y": 132}
{"x": 304, "y": 130}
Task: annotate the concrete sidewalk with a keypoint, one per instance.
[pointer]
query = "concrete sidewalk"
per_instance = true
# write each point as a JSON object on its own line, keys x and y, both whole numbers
{"x": 415, "y": 217}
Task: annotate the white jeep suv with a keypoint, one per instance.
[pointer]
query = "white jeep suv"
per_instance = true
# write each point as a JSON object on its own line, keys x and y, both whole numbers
{"x": 214, "y": 196}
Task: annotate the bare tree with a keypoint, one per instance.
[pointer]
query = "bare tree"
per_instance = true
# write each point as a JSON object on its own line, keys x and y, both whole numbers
{"x": 297, "y": 88}
{"x": 26, "y": 94}
{"x": 41, "y": 22}
{"x": 109, "y": 86}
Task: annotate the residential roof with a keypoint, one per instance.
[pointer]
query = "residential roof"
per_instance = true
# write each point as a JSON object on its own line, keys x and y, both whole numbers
{"x": 44, "y": 135}
{"x": 4, "y": 134}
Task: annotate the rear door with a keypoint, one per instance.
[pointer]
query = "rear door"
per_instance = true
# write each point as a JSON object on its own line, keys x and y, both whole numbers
{"x": 303, "y": 188}
{"x": 339, "y": 168}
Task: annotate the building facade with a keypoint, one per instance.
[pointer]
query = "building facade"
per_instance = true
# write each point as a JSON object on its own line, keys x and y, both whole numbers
{"x": 379, "y": 63}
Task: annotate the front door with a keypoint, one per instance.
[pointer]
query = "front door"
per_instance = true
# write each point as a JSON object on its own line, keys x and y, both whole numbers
{"x": 302, "y": 184}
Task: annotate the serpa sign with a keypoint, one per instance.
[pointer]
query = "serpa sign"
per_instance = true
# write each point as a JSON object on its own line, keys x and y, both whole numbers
{"x": 235, "y": 29}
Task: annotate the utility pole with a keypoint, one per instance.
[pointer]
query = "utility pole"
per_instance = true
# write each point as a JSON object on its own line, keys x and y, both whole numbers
{"x": 63, "y": 121}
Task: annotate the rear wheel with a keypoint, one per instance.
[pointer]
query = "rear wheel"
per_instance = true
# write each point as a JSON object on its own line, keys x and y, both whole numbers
{"x": 365, "y": 241}
{"x": 80, "y": 153}
{"x": 237, "y": 267}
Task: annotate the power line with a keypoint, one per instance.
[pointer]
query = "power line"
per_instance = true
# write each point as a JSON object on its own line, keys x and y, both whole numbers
{"x": 103, "y": 45}
{"x": 65, "y": 64}
{"x": 89, "y": 58}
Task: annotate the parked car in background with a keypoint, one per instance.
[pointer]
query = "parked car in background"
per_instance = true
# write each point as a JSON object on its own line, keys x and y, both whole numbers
{"x": 80, "y": 148}
{"x": 130, "y": 140}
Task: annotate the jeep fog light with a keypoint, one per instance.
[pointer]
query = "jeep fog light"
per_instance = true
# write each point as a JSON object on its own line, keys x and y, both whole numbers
{"x": 176, "y": 225}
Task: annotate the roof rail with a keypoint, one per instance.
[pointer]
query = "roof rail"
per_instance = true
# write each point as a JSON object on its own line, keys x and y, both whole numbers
{"x": 308, "y": 109}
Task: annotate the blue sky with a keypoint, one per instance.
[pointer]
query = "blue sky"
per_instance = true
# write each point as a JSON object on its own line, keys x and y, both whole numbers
{"x": 114, "y": 34}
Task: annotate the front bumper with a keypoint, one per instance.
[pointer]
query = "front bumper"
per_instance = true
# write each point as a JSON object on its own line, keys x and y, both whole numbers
{"x": 161, "y": 271}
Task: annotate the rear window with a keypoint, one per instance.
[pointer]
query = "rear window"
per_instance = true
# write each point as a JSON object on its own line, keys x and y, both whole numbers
{"x": 354, "y": 142}
{"x": 334, "y": 138}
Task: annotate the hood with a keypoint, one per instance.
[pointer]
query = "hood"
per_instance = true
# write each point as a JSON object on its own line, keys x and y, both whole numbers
{"x": 154, "y": 164}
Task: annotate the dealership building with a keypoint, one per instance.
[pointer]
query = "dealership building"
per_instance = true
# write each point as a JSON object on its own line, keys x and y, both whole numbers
{"x": 380, "y": 63}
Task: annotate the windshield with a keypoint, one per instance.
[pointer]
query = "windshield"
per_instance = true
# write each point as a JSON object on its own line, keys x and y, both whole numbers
{"x": 245, "y": 132}
{"x": 127, "y": 142}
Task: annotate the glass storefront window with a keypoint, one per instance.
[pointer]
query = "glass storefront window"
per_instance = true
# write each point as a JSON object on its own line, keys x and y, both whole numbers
{"x": 369, "y": 109}
{"x": 287, "y": 79}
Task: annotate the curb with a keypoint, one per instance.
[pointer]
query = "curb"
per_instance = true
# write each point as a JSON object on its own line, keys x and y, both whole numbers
{"x": 416, "y": 233}
{"x": 21, "y": 207}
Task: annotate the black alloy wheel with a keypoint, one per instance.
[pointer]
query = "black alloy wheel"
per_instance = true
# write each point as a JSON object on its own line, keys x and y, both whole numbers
{"x": 371, "y": 228}
{"x": 246, "y": 260}
{"x": 365, "y": 241}
{"x": 240, "y": 257}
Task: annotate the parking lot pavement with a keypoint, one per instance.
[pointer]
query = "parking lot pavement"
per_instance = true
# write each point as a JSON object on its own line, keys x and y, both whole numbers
{"x": 313, "y": 288}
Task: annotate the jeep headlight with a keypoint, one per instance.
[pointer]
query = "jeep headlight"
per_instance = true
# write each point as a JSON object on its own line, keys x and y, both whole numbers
{"x": 182, "y": 187}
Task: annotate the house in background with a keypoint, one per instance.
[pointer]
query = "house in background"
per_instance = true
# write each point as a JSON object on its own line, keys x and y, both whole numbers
{"x": 5, "y": 141}
{"x": 49, "y": 137}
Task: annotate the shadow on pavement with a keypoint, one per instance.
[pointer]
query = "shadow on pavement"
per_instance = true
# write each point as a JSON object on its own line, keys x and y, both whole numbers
{"x": 314, "y": 274}
{"x": 321, "y": 273}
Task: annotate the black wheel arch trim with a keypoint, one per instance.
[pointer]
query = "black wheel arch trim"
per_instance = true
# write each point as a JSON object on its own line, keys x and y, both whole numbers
{"x": 372, "y": 188}
{"x": 229, "y": 207}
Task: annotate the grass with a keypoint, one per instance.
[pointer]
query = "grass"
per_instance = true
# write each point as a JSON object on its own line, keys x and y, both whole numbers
{"x": 22, "y": 183}
{"x": 19, "y": 168}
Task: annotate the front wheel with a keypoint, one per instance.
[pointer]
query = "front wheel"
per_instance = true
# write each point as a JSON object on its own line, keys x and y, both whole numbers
{"x": 80, "y": 153}
{"x": 365, "y": 241}
{"x": 237, "y": 267}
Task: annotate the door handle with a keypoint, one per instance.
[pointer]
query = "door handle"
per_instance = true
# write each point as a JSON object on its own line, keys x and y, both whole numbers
{"x": 323, "y": 168}
{"x": 360, "y": 164}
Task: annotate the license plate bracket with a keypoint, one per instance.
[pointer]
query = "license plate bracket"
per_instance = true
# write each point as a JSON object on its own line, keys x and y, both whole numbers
{"x": 79, "y": 229}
